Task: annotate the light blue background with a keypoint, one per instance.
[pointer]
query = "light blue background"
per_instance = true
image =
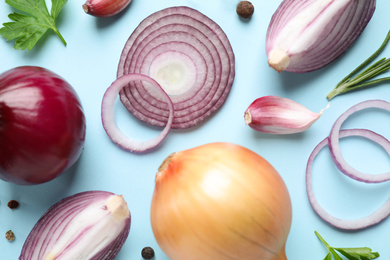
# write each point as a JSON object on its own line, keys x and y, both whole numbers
{"x": 89, "y": 64}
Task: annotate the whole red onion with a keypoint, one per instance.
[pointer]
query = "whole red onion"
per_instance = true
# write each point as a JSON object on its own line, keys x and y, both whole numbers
{"x": 42, "y": 125}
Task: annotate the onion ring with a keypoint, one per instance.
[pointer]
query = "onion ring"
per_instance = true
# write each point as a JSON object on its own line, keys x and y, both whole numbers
{"x": 335, "y": 150}
{"x": 180, "y": 33}
{"x": 372, "y": 219}
{"x": 108, "y": 115}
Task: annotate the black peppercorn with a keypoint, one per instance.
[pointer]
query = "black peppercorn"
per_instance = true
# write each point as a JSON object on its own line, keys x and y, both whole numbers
{"x": 245, "y": 9}
{"x": 13, "y": 204}
{"x": 147, "y": 252}
{"x": 9, "y": 235}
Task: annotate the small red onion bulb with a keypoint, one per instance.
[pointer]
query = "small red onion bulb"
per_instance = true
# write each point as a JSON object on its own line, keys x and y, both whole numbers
{"x": 42, "y": 125}
{"x": 105, "y": 8}
{"x": 220, "y": 201}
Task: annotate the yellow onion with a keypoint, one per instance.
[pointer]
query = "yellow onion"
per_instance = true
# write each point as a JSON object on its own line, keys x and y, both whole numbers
{"x": 220, "y": 201}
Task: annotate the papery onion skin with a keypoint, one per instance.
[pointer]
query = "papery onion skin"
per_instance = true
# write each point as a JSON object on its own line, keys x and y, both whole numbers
{"x": 47, "y": 235}
{"x": 324, "y": 32}
{"x": 42, "y": 125}
{"x": 220, "y": 201}
{"x": 105, "y": 8}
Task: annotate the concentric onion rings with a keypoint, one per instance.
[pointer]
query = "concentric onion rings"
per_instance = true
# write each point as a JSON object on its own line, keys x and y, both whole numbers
{"x": 108, "y": 115}
{"x": 335, "y": 150}
{"x": 190, "y": 33}
{"x": 375, "y": 217}
{"x": 333, "y": 141}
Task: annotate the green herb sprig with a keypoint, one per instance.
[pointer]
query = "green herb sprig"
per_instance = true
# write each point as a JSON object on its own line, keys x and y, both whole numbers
{"x": 364, "y": 78}
{"x": 30, "y": 25}
{"x": 351, "y": 253}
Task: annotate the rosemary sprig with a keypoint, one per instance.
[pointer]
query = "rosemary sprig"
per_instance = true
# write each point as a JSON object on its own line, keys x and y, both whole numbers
{"x": 364, "y": 78}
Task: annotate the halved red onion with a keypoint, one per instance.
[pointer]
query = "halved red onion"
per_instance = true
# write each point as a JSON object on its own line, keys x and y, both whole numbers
{"x": 86, "y": 225}
{"x": 189, "y": 55}
{"x": 334, "y": 147}
{"x": 306, "y": 35}
{"x": 108, "y": 114}
{"x": 354, "y": 224}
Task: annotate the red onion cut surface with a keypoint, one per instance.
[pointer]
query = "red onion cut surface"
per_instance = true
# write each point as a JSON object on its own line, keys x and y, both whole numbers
{"x": 189, "y": 55}
{"x": 306, "y": 35}
{"x": 86, "y": 225}
{"x": 108, "y": 114}
{"x": 334, "y": 147}
{"x": 354, "y": 224}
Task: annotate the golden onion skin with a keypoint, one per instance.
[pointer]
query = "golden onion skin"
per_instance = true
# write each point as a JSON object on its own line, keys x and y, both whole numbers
{"x": 220, "y": 201}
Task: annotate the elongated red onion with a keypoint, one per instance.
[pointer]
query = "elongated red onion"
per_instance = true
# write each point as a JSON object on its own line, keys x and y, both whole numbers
{"x": 87, "y": 225}
{"x": 335, "y": 150}
{"x": 108, "y": 115}
{"x": 277, "y": 115}
{"x": 306, "y": 35}
{"x": 354, "y": 224}
{"x": 42, "y": 125}
{"x": 189, "y": 55}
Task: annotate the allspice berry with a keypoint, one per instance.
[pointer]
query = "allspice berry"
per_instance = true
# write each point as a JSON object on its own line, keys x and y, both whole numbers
{"x": 9, "y": 235}
{"x": 245, "y": 9}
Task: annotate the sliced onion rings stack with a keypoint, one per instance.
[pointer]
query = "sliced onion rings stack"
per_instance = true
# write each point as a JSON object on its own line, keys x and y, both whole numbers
{"x": 183, "y": 34}
{"x": 333, "y": 141}
{"x": 175, "y": 71}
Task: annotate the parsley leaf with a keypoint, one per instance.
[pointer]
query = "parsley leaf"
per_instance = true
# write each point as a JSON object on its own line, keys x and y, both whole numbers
{"x": 358, "y": 253}
{"x": 28, "y": 27}
{"x": 351, "y": 253}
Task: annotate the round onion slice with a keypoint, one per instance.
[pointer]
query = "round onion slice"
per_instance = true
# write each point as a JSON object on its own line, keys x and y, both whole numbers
{"x": 189, "y": 55}
{"x": 335, "y": 150}
{"x": 373, "y": 218}
{"x": 108, "y": 114}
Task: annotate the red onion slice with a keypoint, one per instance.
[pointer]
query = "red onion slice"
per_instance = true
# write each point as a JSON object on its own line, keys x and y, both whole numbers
{"x": 334, "y": 147}
{"x": 192, "y": 43}
{"x": 375, "y": 217}
{"x": 108, "y": 115}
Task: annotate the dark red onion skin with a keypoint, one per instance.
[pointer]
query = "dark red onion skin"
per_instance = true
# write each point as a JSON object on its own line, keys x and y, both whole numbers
{"x": 42, "y": 125}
